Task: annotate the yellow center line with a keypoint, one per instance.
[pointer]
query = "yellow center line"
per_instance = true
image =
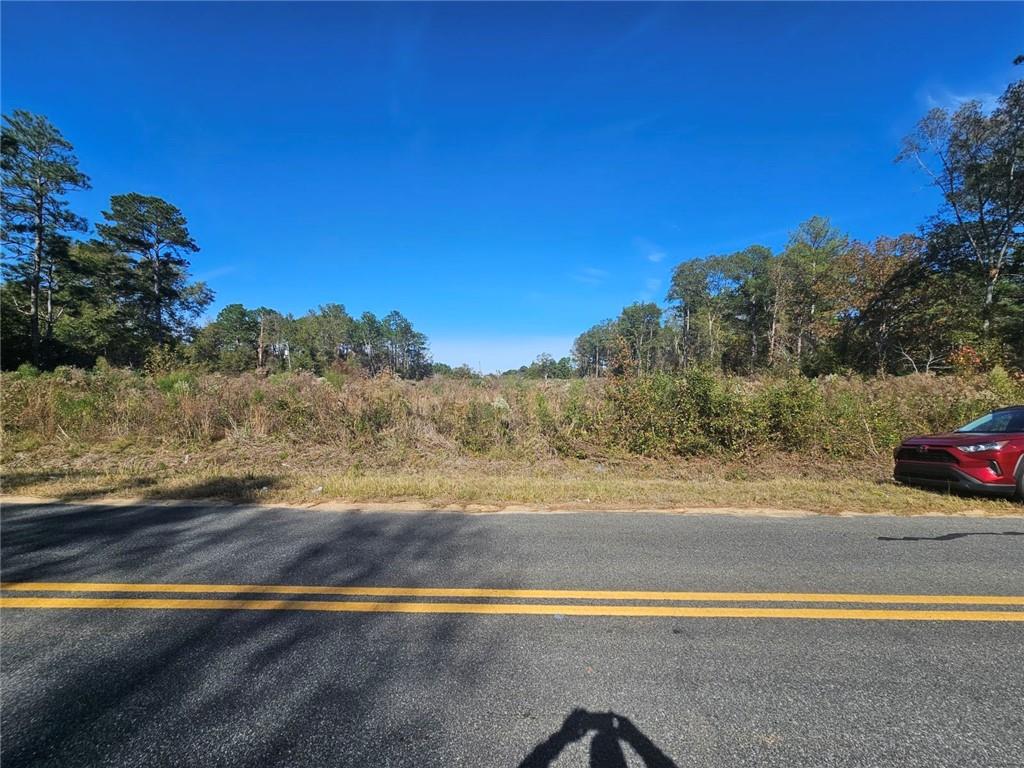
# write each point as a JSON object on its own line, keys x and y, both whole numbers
{"x": 663, "y": 611}
{"x": 513, "y": 594}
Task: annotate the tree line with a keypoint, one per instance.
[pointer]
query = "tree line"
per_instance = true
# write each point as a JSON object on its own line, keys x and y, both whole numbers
{"x": 950, "y": 296}
{"x": 125, "y": 295}
{"x": 65, "y": 300}
{"x": 243, "y": 339}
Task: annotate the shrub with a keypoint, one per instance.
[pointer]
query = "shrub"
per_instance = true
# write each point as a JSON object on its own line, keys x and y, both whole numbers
{"x": 789, "y": 413}
{"x": 164, "y": 359}
{"x": 176, "y": 382}
{"x": 26, "y": 371}
{"x": 699, "y": 413}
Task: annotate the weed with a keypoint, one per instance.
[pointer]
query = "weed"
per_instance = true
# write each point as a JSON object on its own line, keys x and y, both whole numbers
{"x": 696, "y": 414}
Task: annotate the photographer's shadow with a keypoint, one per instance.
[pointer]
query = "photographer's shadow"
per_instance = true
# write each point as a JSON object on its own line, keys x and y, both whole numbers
{"x": 610, "y": 731}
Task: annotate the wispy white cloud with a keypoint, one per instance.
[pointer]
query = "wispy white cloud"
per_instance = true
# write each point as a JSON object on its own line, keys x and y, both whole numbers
{"x": 216, "y": 272}
{"x": 652, "y": 287}
{"x": 933, "y": 96}
{"x": 633, "y": 32}
{"x": 590, "y": 275}
{"x": 493, "y": 354}
{"x": 653, "y": 252}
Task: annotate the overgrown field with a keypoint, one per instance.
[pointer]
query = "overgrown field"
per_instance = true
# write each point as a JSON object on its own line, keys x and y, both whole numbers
{"x": 694, "y": 440}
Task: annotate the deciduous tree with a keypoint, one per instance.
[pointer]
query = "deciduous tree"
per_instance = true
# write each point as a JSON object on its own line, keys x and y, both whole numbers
{"x": 976, "y": 161}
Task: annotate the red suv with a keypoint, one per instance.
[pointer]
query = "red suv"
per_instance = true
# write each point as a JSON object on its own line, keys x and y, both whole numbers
{"x": 986, "y": 455}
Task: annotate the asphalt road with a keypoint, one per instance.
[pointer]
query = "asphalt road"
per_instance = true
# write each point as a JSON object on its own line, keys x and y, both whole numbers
{"x": 136, "y": 678}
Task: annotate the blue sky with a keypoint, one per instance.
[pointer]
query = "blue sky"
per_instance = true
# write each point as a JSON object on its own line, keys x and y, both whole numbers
{"x": 505, "y": 175}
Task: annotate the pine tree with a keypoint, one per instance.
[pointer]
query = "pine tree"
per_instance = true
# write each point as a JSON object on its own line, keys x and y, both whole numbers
{"x": 155, "y": 234}
{"x": 39, "y": 168}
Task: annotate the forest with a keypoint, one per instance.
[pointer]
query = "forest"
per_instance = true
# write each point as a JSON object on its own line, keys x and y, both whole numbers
{"x": 948, "y": 297}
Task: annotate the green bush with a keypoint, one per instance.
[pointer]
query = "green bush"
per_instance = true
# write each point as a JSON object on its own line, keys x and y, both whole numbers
{"x": 164, "y": 359}
{"x": 698, "y": 413}
{"x": 26, "y": 371}
{"x": 475, "y": 425}
{"x": 789, "y": 413}
{"x": 176, "y": 382}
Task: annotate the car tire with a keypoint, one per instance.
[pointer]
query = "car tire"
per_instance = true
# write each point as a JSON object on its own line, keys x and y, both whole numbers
{"x": 1020, "y": 482}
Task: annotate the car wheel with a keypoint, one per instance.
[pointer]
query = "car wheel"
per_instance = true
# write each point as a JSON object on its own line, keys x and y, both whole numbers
{"x": 1020, "y": 483}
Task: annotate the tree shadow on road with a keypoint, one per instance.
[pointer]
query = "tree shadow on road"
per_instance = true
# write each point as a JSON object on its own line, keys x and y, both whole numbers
{"x": 951, "y": 536}
{"x": 611, "y": 731}
{"x": 240, "y": 687}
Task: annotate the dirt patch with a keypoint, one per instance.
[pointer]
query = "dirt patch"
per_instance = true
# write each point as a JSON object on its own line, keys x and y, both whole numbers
{"x": 400, "y": 507}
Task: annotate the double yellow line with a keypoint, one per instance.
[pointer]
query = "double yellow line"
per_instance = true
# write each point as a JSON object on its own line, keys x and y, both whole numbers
{"x": 592, "y": 602}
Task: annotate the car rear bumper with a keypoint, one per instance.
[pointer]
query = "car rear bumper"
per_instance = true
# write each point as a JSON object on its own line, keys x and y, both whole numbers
{"x": 929, "y": 475}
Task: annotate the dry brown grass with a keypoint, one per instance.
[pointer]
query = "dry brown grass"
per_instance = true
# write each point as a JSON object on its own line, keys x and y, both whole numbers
{"x": 657, "y": 444}
{"x": 265, "y": 472}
